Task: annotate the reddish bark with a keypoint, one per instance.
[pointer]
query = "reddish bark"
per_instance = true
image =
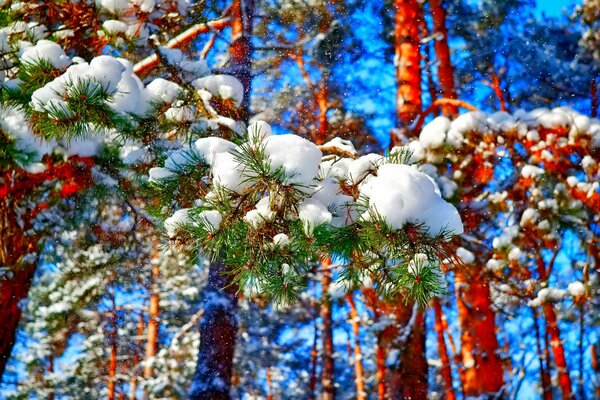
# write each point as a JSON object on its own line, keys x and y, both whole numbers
{"x": 445, "y": 369}
{"x": 407, "y": 59}
{"x": 482, "y": 367}
{"x": 269, "y": 384}
{"x": 12, "y": 291}
{"x": 543, "y": 361}
{"x": 408, "y": 377}
{"x": 181, "y": 40}
{"x": 15, "y": 244}
{"x": 153, "y": 313}
{"x": 407, "y": 373}
{"x": 558, "y": 351}
{"x": 312, "y": 395}
{"x": 381, "y": 370}
{"x": 359, "y": 380}
{"x": 218, "y": 329}
{"x": 327, "y": 373}
{"x": 442, "y": 51}
{"x": 112, "y": 363}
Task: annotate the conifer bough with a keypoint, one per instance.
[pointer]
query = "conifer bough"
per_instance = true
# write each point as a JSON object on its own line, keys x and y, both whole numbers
{"x": 270, "y": 205}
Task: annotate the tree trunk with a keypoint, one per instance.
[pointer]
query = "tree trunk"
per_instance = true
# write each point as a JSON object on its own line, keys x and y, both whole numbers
{"x": 445, "y": 369}
{"x": 327, "y": 374}
{"x": 153, "y": 313}
{"x": 218, "y": 329}
{"x": 558, "y": 351}
{"x": 408, "y": 367}
{"x": 14, "y": 284}
{"x": 12, "y": 291}
{"x": 442, "y": 51}
{"x": 361, "y": 393}
{"x": 482, "y": 367}
{"x": 218, "y": 325}
{"x": 407, "y": 60}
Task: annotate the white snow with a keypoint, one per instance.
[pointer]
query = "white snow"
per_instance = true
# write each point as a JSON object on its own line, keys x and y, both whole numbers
{"x": 261, "y": 214}
{"x": 531, "y": 171}
{"x": 46, "y": 50}
{"x": 224, "y": 86}
{"x": 114, "y": 26}
{"x": 360, "y": 167}
{"x": 465, "y": 255}
{"x": 547, "y": 295}
{"x": 576, "y": 289}
{"x": 209, "y": 147}
{"x": 281, "y": 240}
{"x": 313, "y": 213}
{"x": 163, "y": 90}
{"x": 401, "y": 194}
{"x": 159, "y": 173}
{"x": 433, "y": 135}
{"x": 229, "y": 173}
{"x": 175, "y": 221}
{"x": 211, "y": 220}
{"x": 339, "y": 144}
{"x": 298, "y": 158}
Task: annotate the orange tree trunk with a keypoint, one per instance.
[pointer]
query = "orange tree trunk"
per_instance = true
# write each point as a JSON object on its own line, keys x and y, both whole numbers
{"x": 12, "y": 291}
{"x": 407, "y": 60}
{"x": 558, "y": 351}
{"x": 361, "y": 394}
{"x": 482, "y": 368}
{"x": 442, "y": 51}
{"x": 327, "y": 374}
{"x": 153, "y": 313}
{"x": 445, "y": 369}
{"x": 14, "y": 285}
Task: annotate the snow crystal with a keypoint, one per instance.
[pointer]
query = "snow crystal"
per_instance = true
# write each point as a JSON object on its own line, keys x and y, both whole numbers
{"x": 158, "y": 173}
{"x": 547, "y": 295}
{"x": 224, "y": 86}
{"x": 281, "y": 240}
{"x": 229, "y": 173}
{"x": 163, "y": 90}
{"x": 211, "y": 220}
{"x": 433, "y": 134}
{"x": 328, "y": 192}
{"x": 298, "y": 158}
{"x": 114, "y": 26}
{"x": 576, "y": 289}
{"x": 46, "y": 50}
{"x": 531, "y": 171}
{"x": 360, "y": 167}
{"x": 259, "y": 130}
{"x": 465, "y": 255}
{"x": 339, "y": 144}
{"x": 175, "y": 221}
{"x": 261, "y": 214}
{"x": 401, "y": 193}
{"x": 313, "y": 213}
{"x": 209, "y": 147}
{"x": 529, "y": 216}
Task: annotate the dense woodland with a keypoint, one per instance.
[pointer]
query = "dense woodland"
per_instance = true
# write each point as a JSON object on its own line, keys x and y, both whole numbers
{"x": 299, "y": 199}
